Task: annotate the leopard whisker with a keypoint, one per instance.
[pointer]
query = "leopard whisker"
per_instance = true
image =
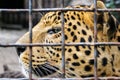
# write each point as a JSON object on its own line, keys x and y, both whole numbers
{"x": 37, "y": 72}
{"x": 44, "y": 67}
{"x": 53, "y": 67}
{"x": 47, "y": 71}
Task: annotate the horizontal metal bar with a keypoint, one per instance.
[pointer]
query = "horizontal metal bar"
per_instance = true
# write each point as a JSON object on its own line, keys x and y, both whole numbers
{"x": 89, "y": 78}
{"x": 59, "y": 9}
{"x": 59, "y": 44}
{"x": 109, "y": 10}
{"x": 15, "y": 10}
{"x": 75, "y": 9}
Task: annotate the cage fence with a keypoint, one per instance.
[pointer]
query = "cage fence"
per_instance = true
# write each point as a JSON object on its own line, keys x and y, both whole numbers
{"x": 30, "y": 11}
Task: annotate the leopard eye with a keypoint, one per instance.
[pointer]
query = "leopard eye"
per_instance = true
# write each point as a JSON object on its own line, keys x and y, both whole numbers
{"x": 54, "y": 30}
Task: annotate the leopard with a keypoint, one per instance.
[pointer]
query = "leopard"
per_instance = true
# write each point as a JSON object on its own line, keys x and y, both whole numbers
{"x": 78, "y": 27}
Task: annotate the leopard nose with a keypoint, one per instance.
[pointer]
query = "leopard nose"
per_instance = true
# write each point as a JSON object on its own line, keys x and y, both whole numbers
{"x": 20, "y": 50}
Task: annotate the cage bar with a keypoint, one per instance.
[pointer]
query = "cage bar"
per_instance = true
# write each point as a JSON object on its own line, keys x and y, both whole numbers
{"x": 30, "y": 39}
{"x": 95, "y": 40}
{"x": 60, "y": 9}
{"x": 63, "y": 41}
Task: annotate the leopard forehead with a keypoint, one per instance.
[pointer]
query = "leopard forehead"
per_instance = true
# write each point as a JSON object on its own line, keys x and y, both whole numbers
{"x": 54, "y": 18}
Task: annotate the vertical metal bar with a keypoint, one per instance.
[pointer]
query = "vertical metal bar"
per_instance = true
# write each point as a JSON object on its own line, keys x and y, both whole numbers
{"x": 63, "y": 41}
{"x": 30, "y": 38}
{"x": 95, "y": 39}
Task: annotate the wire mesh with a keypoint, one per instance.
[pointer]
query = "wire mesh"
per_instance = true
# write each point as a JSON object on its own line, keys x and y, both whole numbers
{"x": 63, "y": 44}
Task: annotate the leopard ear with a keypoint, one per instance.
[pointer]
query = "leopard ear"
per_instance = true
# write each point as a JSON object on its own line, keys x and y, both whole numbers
{"x": 100, "y": 5}
{"x": 106, "y": 22}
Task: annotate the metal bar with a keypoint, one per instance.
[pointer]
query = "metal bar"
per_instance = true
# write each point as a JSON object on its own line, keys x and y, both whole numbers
{"x": 88, "y": 78}
{"x": 30, "y": 39}
{"x": 60, "y": 9}
{"x": 95, "y": 39}
{"x": 59, "y": 44}
{"x": 63, "y": 41}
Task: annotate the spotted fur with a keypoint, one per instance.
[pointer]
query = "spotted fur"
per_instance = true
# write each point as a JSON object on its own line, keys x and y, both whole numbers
{"x": 79, "y": 60}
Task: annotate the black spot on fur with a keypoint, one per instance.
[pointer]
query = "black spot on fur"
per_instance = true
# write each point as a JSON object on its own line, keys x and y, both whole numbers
{"x": 82, "y": 13}
{"x": 72, "y": 33}
{"x": 58, "y": 18}
{"x": 103, "y": 74}
{"x": 90, "y": 38}
{"x": 87, "y": 68}
{"x": 87, "y": 52}
{"x": 68, "y": 59}
{"x": 74, "y": 38}
{"x": 104, "y": 61}
{"x": 89, "y": 47}
{"x": 103, "y": 48}
{"x": 82, "y": 40}
{"x": 57, "y": 55}
{"x": 69, "y": 50}
{"x": 74, "y": 27}
{"x": 79, "y": 23}
{"x": 84, "y": 32}
{"x": 65, "y": 20}
{"x": 69, "y": 29}
{"x": 70, "y": 24}
{"x": 83, "y": 46}
{"x": 51, "y": 52}
{"x": 73, "y": 17}
{"x": 91, "y": 62}
{"x": 98, "y": 53}
{"x": 78, "y": 32}
{"x": 113, "y": 69}
{"x": 58, "y": 49}
{"x": 83, "y": 22}
{"x": 72, "y": 69}
{"x": 78, "y": 16}
{"x": 99, "y": 69}
{"x": 87, "y": 27}
{"x": 74, "y": 13}
{"x": 38, "y": 50}
{"x": 77, "y": 48}
{"x": 66, "y": 37}
{"x": 59, "y": 13}
{"x": 75, "y": 56}
{"x": 76, "y": 64}
{"x": 82, "y": 61}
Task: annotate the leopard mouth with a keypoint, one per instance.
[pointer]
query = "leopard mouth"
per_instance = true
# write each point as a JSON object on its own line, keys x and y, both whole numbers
{"x": 42, "y": 70}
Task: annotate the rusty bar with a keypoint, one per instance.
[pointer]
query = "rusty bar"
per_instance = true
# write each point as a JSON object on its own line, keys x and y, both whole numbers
{"x": 63, "y": 41}
{"x": 30, "y": 39}
{"x": 95, "y": 39}
{"x": 59, "y": 9}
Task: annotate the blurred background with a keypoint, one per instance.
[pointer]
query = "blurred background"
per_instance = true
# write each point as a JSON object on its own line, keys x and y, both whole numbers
{"x": 14, "y": 24}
